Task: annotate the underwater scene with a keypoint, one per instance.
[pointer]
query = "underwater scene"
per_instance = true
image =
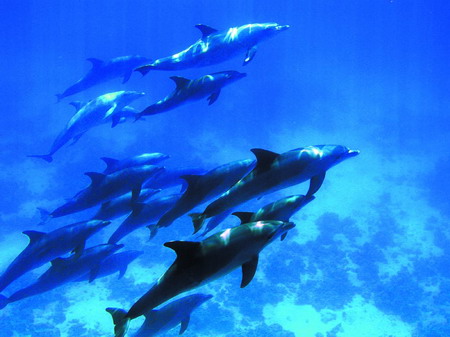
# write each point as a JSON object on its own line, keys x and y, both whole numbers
{"x": 225, "y": 168}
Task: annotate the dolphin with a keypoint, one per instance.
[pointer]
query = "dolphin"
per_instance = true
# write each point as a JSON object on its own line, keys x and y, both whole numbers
{"x": 189, "y": 90}
{"x": 122, "y": 205}
{"x": 96, "y": 112}
{"x": 217, "y": 46}
{"x": 103, "y": 71}
{"x": 114, "y": 165}
{"x": 198, "y": 263}
{"x": 117, "y": 262}
{"x": 275, "y": 171}
{"x": 106, "y": 187}
{"x": 144, "y": 213}
{"x": 172, "y": 177}
{"x": 64, "y": 270}
{"x": 162, "y": 320}
{"x": 215, "y": 221}
{"x": 202, "y": 188}
{"x": 44, "y": 247}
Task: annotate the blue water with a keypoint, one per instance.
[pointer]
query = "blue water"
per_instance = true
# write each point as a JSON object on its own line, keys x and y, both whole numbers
{"x": 369, "y": 257}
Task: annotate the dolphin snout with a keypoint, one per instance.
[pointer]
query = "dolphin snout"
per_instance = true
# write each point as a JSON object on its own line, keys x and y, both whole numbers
{"x": 282, "y": 27}
{"x": 352, "y": 153}
{"x": 105, "y": 223}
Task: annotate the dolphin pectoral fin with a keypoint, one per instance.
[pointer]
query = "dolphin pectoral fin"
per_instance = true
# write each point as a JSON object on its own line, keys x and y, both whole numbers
{"x": 197, "y": 221}
{"x": 248, "y": 271}
{"x": 127, "y": 77}
{"x": 34, "y": 236}
{"x": 122, "y": 272}
{"x": 213, "y": 97}
{"x": 3, "y": 301}
{"x": 94, "y": 273}
{"x": 245, "y": 217}
{"x": 206, "y": 30}
{"x": 111, "y": 110}
{"x": 135, "y": 194}
{"x": 184, "y": 324}
{"x": 116, "y": 119}
{"x": 283, "y": 236}
{"x": 153, "y": 230}
{"x": 120, "y": 320}
{"x": 79, "y": 249}
{"x": 45, "y": 216}
{"x": 250, "y": 55}
{"x": 315, "y": 184}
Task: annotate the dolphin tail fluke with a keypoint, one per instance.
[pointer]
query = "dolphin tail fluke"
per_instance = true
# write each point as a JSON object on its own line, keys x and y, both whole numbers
{"x": 144, "y": 69}
{"x": 197, "y": 221}
{"x": 45, "y": 216}
{"x": 3, "y": 301}
{"x": 47, "y": 157}
{"x": 153, "y": 230}
{"x": 120, "y": 320}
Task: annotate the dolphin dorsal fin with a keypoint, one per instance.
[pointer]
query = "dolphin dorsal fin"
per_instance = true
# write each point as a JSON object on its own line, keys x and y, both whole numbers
{"x": 95, "y": 62}
{"x": 110, "y": 162}
{"x": 77, "y": 104}
{"x": 180, "y": 82}
{"x": 96, "y": 178}
{"x": 264, "y": 158}
{"x": 34, "y": 236}
{"x": 184, "y": 249}
{"x": 245, "y": 217}
{"x": 206, "y": 30}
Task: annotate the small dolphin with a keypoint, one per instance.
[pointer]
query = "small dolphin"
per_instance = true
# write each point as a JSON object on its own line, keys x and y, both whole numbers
{"x": 198, "y": 263}
{"x": 96, "y": 112}
{"x": 191, "y": 90}
{"x": 103, "y": 71}
{"x": 64, "y": 270}
{"x": 106, "y": 187}
{"x": 172, "y": 177}
{"x": 114, "y": 165}
{"x": 144, "y": 214}
{"x": 122, "y": 205}
{"x": 217, "y": 46}
{"x": 275, "y": 171}
{"x": 162, "y": 320}
{"x": 114, "y": 263}
{"x": 202, "y": 188}
{"x": 44, "y": 247}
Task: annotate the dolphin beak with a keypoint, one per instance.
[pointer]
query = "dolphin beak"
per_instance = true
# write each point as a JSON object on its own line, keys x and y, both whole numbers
{"x": 281, "y": 28}
{"x": 352, "y": 153}
{"x": 105, "y": 223}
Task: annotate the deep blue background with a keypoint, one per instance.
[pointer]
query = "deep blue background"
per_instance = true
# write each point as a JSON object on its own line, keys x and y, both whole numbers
{"x": 372, "y": 75}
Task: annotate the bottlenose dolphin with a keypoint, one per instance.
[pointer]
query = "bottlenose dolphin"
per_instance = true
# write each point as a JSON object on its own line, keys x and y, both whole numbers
{"x": 144, "y": 214}
{"x": 191, "y": 90}
{"x": 217, "y": 46}
{"x": 106, "y": 187}
{"x": 202, "y": 188}
{"x": 114, "y": 165}
{"x": 96, "y": 112}
{"x": 172, "y": 177}
{"x": 117, "y": 262}
{"x": 275, "y": 171}
{"x": 122, "y": 205}
{"x": 162, "y": 320}
{"x": 64, "y": 270}
{"x": 44, "y": 247}
{"x": 103, "y": 71}
{"x": 198, "y": 263}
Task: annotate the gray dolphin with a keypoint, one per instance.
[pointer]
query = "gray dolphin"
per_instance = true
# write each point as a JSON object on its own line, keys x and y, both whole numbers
{"x": 162, "y": 320}
{"x": 122, "y": 205}
{"x": 64, "y": 270}
{"x": 114, "y": 165}
{"x": 198, "y": 263}
{"x": 144, "y": 214}
{"x": 275, "y": 171}
{"x": 96, "y": 112}
{"x": 191, "y": 90}
{"x": 106, "y": 187}
{"x": 217, "y": 46}
{"x": 202, "y": 188}
{"x": 103, "y": 71}
{"x": 114, "y": 263}
{"x": 44, "y": 247}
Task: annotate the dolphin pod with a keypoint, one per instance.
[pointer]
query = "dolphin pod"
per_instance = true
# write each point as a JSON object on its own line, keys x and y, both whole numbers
{"x": 217, "y": 46}
{"x": 198, "y": 263}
